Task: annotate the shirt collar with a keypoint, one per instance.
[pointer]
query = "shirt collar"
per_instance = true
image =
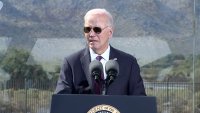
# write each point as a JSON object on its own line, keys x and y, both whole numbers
{"x": 105, "y": 55}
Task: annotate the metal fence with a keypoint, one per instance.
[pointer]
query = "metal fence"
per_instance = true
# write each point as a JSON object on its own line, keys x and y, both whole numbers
{"x": 173, "y": 97}
{"x": 35, "y": 97}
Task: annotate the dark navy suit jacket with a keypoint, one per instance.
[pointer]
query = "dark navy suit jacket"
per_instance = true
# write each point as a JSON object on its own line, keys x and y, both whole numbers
{"x": 76, "y": 79}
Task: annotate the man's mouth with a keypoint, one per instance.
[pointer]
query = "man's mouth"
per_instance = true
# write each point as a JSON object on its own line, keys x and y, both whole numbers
{"x": 92, "y": 41}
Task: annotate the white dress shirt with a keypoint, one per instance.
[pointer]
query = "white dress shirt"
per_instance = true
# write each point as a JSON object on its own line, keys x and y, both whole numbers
{"x": 105, "y": 58}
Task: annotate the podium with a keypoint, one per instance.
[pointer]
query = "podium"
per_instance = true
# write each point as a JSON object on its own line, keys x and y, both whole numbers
{"x": 70, "y": 103}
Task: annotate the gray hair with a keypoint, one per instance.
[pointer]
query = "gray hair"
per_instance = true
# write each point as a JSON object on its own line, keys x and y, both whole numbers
{"x": 101, "y": 11}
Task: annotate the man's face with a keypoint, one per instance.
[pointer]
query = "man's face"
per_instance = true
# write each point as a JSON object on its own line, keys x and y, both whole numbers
{"x": 98, "y": 41}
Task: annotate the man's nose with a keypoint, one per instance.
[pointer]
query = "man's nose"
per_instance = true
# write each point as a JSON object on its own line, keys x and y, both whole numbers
{"x": 92, "y": 33}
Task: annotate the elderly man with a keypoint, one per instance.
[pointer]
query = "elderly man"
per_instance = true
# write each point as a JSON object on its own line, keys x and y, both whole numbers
{"x": 74, "y": 75}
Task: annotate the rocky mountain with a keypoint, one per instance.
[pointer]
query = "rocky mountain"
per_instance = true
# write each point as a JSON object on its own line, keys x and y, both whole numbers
{"x": 171, "y": 20}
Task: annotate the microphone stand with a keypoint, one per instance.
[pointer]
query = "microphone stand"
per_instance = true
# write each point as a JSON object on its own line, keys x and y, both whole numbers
{"x": 104, "y": 87}
{"x": 106, "y": 83}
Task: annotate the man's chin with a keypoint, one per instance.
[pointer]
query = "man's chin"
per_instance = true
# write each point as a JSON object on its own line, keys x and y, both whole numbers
{"x": 94, "y": 48}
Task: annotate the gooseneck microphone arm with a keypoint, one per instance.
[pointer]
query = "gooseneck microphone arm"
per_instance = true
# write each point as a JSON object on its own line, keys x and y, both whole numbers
{"x": 96, "y": 74}
{"x": 104, "y": 87}
{"x": 112, "y": 74}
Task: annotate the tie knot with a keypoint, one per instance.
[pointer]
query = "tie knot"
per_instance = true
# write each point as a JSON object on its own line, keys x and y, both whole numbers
{"x": 99, "y": 58}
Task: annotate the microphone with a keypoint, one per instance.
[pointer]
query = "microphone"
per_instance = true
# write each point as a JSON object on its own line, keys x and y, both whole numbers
{"x": 95, "y": 69}
{"x": 1, "y": 4}
{"x": 112, "y": 70}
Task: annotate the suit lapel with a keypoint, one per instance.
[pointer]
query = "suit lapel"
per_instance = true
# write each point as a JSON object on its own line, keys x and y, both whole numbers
{"x": 85, "y": 61}
{"x": 112, "y": 54}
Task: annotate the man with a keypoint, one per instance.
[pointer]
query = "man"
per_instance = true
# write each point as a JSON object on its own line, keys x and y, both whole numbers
{"x": 75, "y": 77}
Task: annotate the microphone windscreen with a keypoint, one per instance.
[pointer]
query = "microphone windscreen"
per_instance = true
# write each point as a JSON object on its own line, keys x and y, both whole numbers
{"x": 95, "y": 66}
{"x": 112, "y": 65}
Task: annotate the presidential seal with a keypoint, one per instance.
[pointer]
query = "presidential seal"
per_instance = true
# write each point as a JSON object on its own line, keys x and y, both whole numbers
{"x": 103, "y": 108}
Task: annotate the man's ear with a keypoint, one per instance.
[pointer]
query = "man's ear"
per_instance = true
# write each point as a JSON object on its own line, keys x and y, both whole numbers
{"x": 111, "y": 32}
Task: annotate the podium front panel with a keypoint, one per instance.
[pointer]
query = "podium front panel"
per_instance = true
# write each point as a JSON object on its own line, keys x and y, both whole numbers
{"x": 102, "y": 104}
